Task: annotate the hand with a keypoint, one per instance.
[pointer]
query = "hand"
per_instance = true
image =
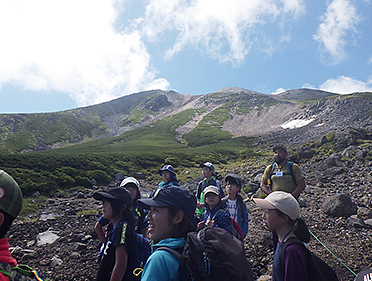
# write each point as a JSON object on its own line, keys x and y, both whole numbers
{"x": 200, "y": 225}
{"x": 200, "y": 205}
{"x": 209, "y": 223}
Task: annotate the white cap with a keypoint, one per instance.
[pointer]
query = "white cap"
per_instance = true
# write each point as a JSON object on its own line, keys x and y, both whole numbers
{"x": 283, "y": 201}
{"x": 130, "y": 180}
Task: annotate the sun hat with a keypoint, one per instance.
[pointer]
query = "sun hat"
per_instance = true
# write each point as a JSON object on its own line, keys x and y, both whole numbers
{"x": 10, "y": 195}
{"x": 279, "y": 146}
{"x": 174, "y": 196}
{"x": 233, "y": 179}
{"x": 129, "y": 180}
{"x": 283, "y": 201}
{"x": 208, "y": 165}
{"x": 115, "y": 193}
{"x": 166, "y": 168}
{"x": 212, "y": 189}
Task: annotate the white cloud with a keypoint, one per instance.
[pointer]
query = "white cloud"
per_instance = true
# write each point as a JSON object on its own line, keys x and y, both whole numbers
{"x": 72, "y": 47}
{"x": 346, "y": 85}
{"x": 225, "y": 30}
{"x": 339, "y": 20}
{"x": 278, "y": 91}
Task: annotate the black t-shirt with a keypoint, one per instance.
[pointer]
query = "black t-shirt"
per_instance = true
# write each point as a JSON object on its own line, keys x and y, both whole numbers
{"x": 122, "y": 233}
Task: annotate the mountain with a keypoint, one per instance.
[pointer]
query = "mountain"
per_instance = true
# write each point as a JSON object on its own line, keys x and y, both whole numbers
{"x": 296, "y": 115}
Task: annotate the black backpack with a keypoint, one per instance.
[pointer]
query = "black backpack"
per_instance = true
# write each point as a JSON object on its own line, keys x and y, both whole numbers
{"x": 317, "y": 269}
{"x": 19, "y": 272}
{"x": 213, "y": 254}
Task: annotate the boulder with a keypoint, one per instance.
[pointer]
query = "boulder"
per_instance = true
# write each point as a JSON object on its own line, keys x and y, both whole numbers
{"x": 339, "y": 205}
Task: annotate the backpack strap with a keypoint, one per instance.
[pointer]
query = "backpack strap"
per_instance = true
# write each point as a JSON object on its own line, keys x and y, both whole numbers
{"x": 174, "y": 252}
{"x": 182, "y": 268}
{"x": 215, "y": 215}
{"x": 291, "y": 241}
{"x": 290, "y": 169}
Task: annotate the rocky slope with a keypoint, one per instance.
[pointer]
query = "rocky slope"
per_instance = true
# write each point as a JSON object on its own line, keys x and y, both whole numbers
{"x": 244, "y": 113}
{"x": 72, "y": 256}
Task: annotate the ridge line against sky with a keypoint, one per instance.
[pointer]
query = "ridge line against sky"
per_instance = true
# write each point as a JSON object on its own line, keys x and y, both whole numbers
{"x": 58, "y": 55}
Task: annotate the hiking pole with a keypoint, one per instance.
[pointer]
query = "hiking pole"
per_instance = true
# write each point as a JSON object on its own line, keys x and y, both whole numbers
{"x": 332, "y": 253}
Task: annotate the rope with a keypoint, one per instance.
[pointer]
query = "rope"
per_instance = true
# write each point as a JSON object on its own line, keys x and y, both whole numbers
{"x": 332, "y": 253}
{"x": 321, "y": 243}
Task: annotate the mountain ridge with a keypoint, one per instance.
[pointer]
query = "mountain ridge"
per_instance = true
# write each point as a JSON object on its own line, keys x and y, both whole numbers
{"x": 233, "y": 111}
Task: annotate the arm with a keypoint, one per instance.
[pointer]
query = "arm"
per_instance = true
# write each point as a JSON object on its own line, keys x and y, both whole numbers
{"x": 121, "y": 258}
{"x": 99, "y": 230}
{"x": 299, "y": 188}
{"x": 245, "y": 219}
{"x": 264, "y": 187}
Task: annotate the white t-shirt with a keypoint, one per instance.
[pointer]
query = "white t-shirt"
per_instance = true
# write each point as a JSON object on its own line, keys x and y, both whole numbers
{"x": 232, "y": 207}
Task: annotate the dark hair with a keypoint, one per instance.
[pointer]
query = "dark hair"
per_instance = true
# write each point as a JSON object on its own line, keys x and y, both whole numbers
{"x": 299, "y": 227}
{"x": 118, "y": 212}
{"x": 8, "y": 219}
{"x": 132, "y": 185}
{"x": 185, "y": 226}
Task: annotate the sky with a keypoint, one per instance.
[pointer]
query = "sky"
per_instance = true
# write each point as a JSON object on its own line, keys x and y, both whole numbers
{"x": 57, "y": 55}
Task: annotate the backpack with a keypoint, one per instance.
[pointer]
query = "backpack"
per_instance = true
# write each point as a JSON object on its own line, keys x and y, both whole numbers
{"x": 142, "y": 253}
{"x": 19, "y": 272}
{"x": 317, "y": 269}
{"x": 213, "y": 254}
{"x": 290, "y": 168}
{"x": 236, "y": 231}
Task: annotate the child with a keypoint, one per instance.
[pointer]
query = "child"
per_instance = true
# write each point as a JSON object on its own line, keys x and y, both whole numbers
{"x": 170, "y": 213}
{"x": 281, "y": 213}
{"x": 214, "y": 215}
{"x": 235, "y": 204}
{"x": 132, "y": 185}
{"x": 208, "y": 172}
{"x": 168, "y": 175}
{"x": 118, "y": 253}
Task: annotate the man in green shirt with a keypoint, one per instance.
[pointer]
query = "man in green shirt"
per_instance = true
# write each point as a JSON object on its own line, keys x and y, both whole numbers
{"x": 285, "y": 176}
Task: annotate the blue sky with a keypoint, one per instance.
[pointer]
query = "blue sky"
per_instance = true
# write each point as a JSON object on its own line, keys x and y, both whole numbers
{"x": 57, "y": 55}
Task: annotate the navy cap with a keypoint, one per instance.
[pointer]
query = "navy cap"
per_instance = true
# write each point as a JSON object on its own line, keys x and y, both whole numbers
{"x": 174, "y": 196}
{"x": 115, "y": 193}
{"x": 166, "y": 168}
{"x": 233, "y": 179}
{"x": 279, "y": 146}
{"x": 208, "y": 165}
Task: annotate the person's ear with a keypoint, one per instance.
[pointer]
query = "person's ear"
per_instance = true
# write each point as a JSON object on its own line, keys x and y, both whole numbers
{"x": 2, "y": 218}
{"x": 179, "y": 217}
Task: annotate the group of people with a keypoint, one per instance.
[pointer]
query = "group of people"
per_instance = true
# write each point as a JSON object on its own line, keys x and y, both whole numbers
{"x": 171, "y": 212}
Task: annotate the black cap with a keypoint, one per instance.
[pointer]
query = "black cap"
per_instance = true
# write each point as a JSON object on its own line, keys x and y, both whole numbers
{"x": 279, "y": 146}
{"x": 175, "y": 196}
{"x": 115, "y": 193}
{"x": 231, "y": 178}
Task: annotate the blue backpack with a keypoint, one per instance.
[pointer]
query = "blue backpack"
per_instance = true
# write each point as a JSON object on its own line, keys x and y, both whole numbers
{"x": 142, "y": 253}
